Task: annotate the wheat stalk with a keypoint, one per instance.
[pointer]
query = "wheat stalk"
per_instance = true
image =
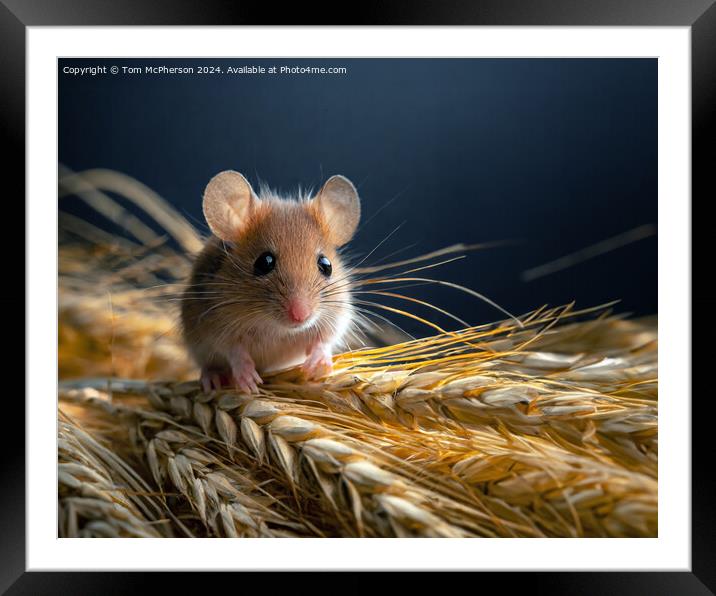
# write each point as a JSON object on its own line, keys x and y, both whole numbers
{"x": 499, "y": 483}
{"x": 214, "y": 495}
{"x": 546, "y": 426}
{"x": 99, "y": 495}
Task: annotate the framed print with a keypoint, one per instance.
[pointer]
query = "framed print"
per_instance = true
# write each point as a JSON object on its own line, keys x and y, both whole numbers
{"x": 402, "y": 292}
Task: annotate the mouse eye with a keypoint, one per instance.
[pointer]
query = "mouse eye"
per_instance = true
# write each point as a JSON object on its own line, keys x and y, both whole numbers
{"x": 265, "y": 264}
{"x": 324, "y": 265}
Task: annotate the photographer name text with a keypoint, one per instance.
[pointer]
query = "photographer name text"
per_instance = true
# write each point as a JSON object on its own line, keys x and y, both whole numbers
{"x": 251, "y": 69}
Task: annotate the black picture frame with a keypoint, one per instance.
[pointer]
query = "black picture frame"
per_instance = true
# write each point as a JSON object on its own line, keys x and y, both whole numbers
{"x": 699, "y": 15}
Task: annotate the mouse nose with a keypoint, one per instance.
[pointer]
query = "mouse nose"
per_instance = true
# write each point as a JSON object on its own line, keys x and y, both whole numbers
{"x": 298, "y": 310}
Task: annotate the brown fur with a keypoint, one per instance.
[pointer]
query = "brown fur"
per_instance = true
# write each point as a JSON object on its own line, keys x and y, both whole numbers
{"x": 226, "y": 302}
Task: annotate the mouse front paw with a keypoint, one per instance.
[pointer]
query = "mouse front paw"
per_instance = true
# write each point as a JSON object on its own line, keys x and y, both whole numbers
{"x": 214, "y": 378}
{"x": 319, "y": 362}
{"x": 243, "y": 370}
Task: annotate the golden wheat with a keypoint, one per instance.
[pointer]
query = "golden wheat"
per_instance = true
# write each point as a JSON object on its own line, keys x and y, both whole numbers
{"x": 545, "y": 426}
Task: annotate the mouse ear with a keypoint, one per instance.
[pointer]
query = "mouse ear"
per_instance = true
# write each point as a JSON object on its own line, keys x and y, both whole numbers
{"x": 228, "y": 203}
{"x": 339, "y": 203}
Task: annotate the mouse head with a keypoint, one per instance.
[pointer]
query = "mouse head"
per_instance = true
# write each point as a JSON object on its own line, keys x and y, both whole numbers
{"x": 283, "y": 254}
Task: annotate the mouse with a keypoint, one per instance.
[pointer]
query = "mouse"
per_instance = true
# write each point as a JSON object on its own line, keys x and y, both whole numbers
{"x": 269, "y": 289}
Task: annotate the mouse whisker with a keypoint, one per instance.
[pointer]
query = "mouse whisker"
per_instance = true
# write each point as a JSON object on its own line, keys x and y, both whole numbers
{"x": 434, "y": 254}
{"x": 386, "y": 257}
{"x": 202, "y": 293}
{"x": 420, "y": 319}
{"x": 430, "y": 266}
{"x": 377, "y": 246}
{"x": 222, "y": 279}
{"x": 361, "y": 322}
{"x": 231, "y": 259}
{"x": 370, "y": 313}
{"x": 184, "y": 297}
{"x": 333, "y": 288}
{"x": 359, "y": 281}
{"x": 355, "y": 331}
{"x": 359, "y": 311}
{"x": 448, "y": 284}
{"x": 402, "y": 286}
{"x": 346, "y": 278}
{"x": 415, "y": 300}
{"x": 228, "y": 302}
{"x": 404, "y": 313}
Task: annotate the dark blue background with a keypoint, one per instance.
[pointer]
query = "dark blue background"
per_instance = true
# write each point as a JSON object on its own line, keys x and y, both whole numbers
{"x": 557, "y": 154}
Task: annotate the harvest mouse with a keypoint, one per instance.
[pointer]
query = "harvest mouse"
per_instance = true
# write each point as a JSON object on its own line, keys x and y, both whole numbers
{"x": 269, "y": 290}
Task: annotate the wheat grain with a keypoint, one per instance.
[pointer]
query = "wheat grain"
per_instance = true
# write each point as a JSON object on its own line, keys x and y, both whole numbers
{"x": 96, "y": 495}
{"x": 546, "y": 427}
